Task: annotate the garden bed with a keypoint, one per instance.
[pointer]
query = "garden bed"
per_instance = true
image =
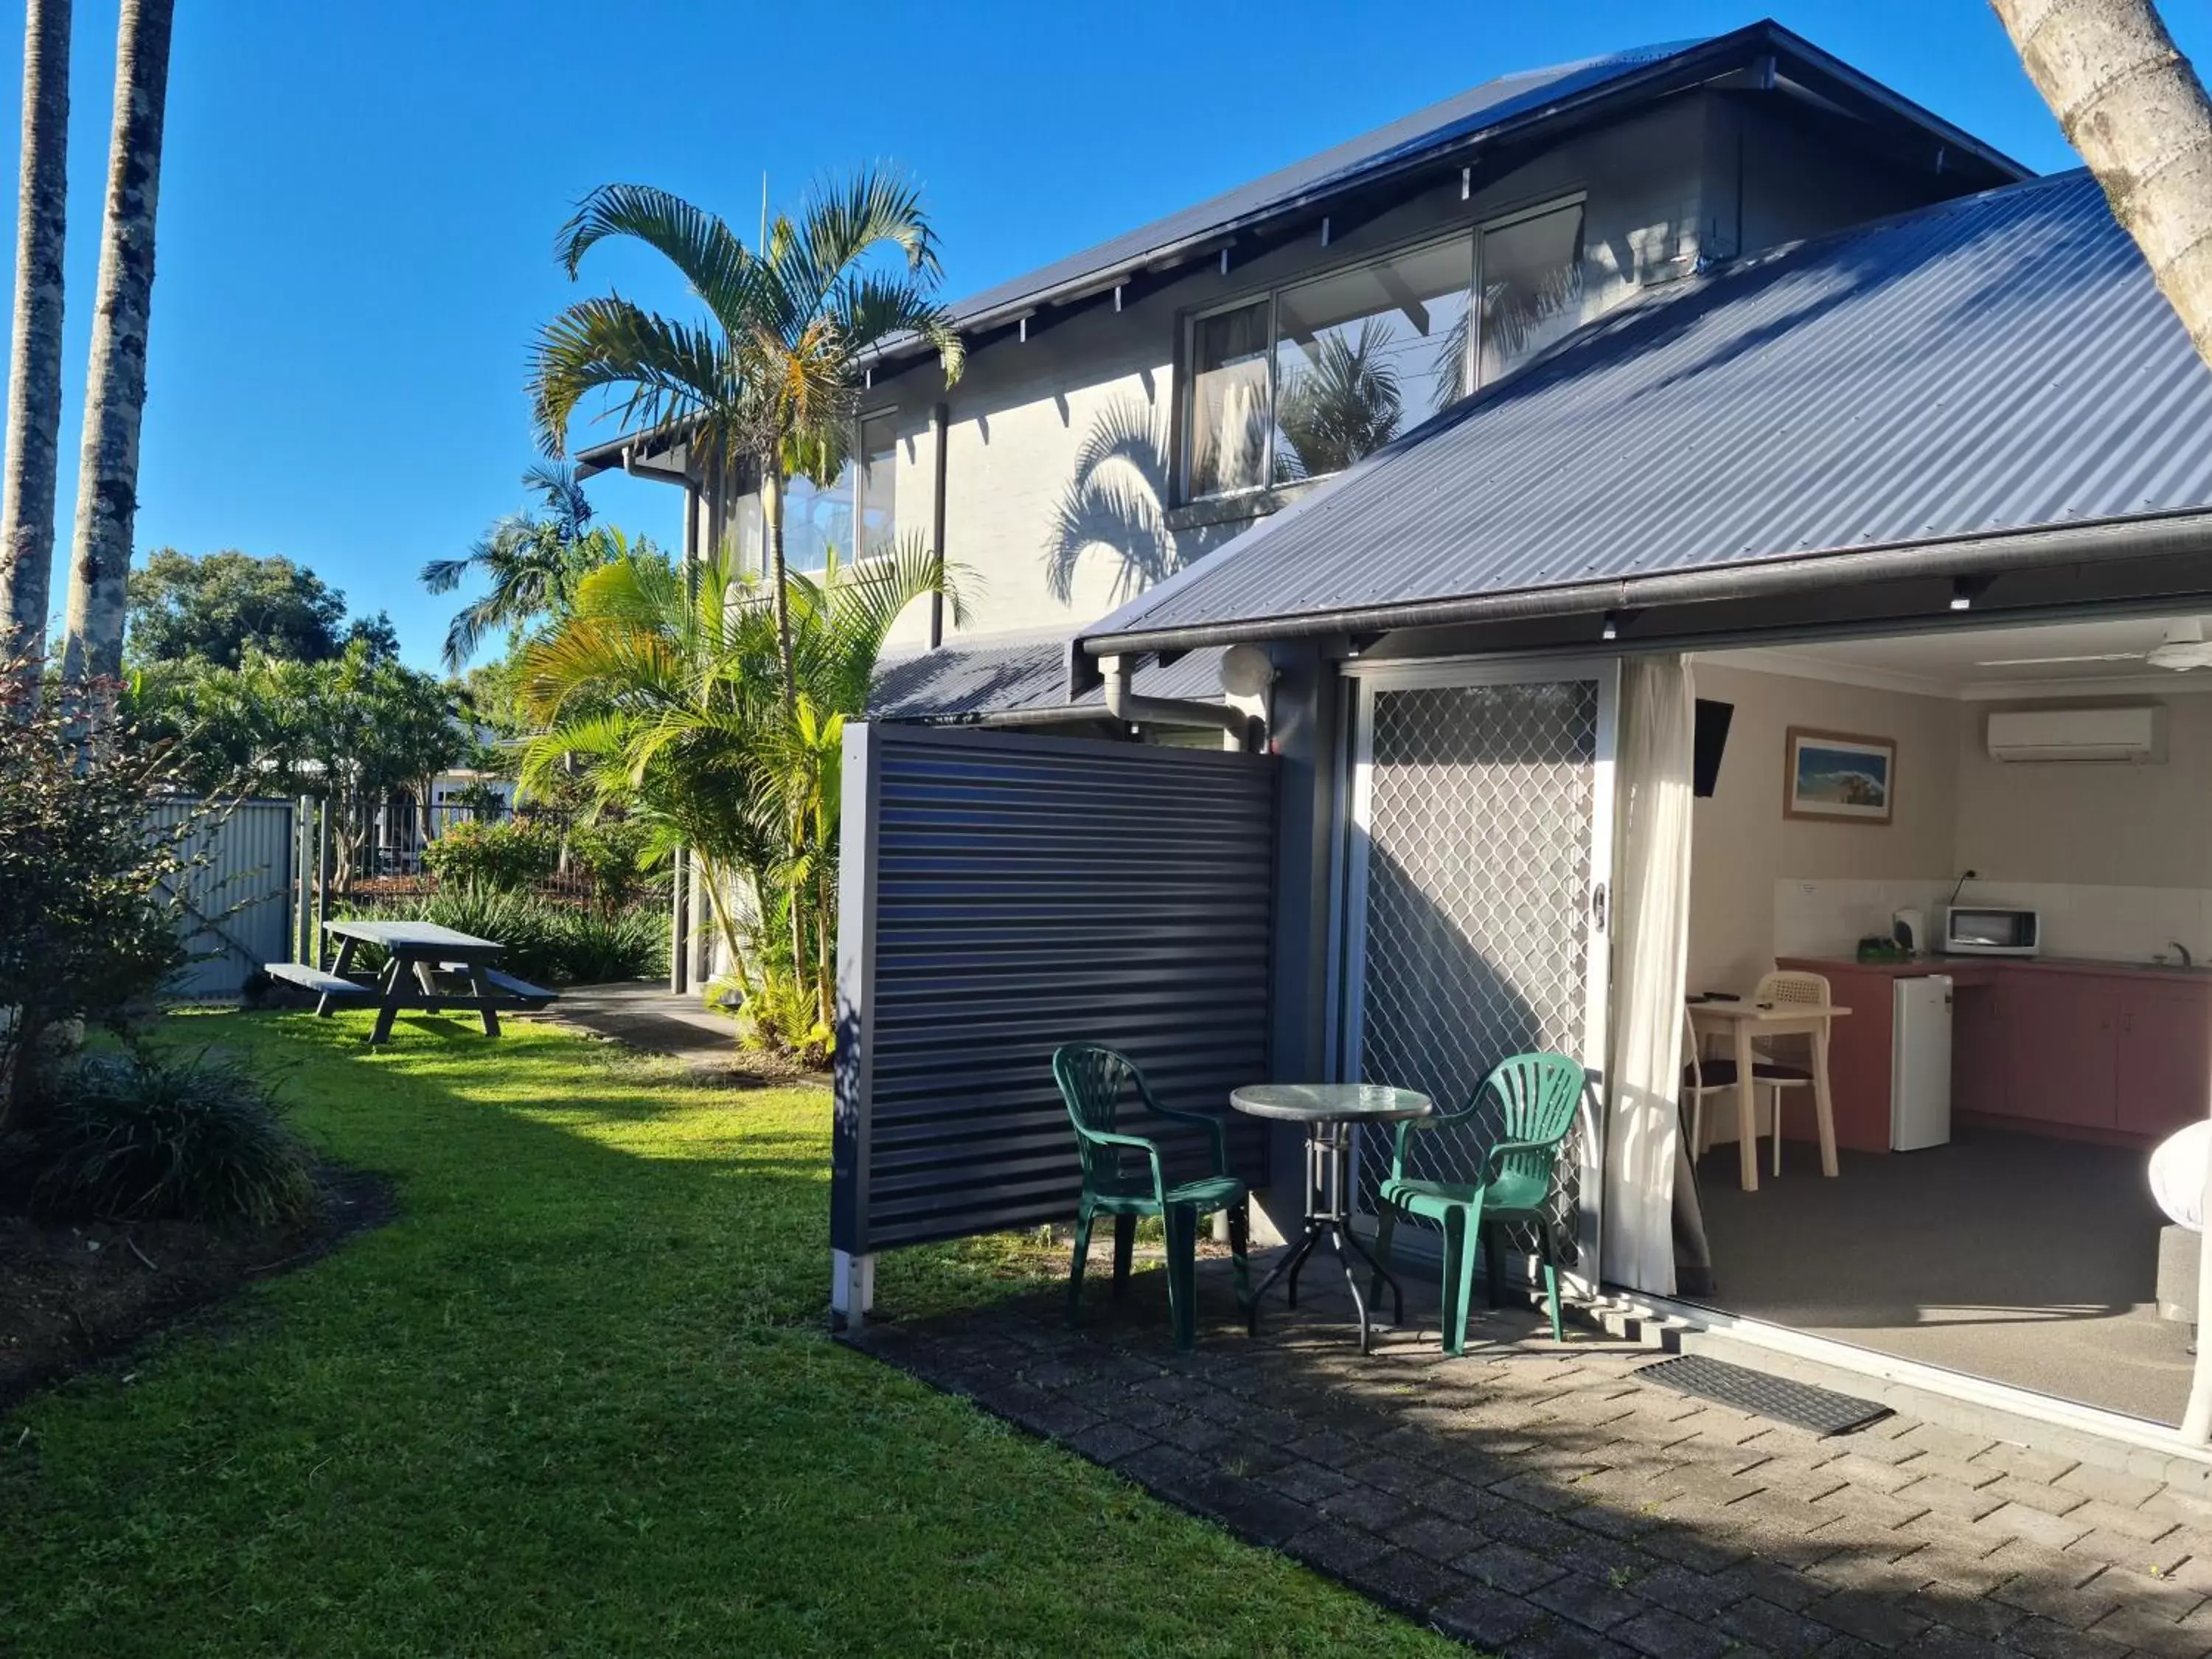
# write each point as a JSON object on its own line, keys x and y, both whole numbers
{"x": 78, "y": 1295}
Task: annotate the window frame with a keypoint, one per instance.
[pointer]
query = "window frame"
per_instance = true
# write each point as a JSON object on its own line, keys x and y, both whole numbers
{"x": 1187, "y": 325}
{"x": 854, "y": 455}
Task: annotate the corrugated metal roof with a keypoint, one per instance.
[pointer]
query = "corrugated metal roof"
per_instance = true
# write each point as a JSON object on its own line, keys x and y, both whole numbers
{"x": 2000, "y": 362}
{"x": 959, "y": 682}
{"x": 1455, "y": 120}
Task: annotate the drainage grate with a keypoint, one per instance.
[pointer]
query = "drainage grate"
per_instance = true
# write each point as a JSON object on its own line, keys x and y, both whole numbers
{"x": 1823, "y": 1411}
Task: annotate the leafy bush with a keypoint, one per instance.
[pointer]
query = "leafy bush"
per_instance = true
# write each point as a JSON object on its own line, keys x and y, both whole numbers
{"x": 780, "y": 1017}
{"x": 600, "y": 945}
{"x": 88, "y": 918}
{"x": 494, "y": 856}
{"x": 547, "y": 941}
{"x": 612, "y": 853}
{"x": 143, "y": 1137}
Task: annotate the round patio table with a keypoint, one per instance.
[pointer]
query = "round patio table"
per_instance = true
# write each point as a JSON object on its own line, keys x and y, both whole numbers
{"x": 1330, "y": 1111}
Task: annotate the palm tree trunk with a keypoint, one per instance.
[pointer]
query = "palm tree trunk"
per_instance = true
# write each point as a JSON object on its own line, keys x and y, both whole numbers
{"x": 715, "y": 876}
{"x": 823, "y": 921}
{"x": 2130, "y": 102}
{"x": 771, "y": 487}
{"x": 115, "y": 387}
{"x": 2133, "y": 106}
{"x": 34, "y": 392}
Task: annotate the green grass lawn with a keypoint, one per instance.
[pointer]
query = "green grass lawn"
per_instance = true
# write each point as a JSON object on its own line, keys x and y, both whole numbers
{"x": 579, "y": 1399}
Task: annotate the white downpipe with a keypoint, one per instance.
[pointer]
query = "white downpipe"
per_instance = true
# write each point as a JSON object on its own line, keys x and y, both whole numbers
{"x": 1124, "y": 704}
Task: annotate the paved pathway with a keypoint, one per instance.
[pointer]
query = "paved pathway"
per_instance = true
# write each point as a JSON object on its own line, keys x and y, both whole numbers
{"x": 647, "y": 1015}
{"x": 1536, "y": 1500}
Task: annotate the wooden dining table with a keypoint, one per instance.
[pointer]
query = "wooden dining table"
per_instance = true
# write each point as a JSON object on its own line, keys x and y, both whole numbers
{"x": 1742, "y": 1021}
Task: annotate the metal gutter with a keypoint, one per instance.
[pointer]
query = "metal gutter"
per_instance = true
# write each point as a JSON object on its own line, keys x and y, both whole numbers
{"x": 2107, "y": 540}
{"x": 1066, "y": 713}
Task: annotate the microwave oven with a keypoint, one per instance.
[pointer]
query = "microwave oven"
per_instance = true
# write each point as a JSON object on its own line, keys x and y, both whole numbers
{"x": 1992, "y": 930}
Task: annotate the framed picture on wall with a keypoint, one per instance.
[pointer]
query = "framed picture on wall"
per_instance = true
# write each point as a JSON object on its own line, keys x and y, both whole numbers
{"x": 1839, "y": 775}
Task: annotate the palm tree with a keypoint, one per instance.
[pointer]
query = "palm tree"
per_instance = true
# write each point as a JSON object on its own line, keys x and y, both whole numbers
{"x": 115, "y": 387}
{"x": 35, "y": 391}
{"x": 1344, "y": 404}
{"x": 2128, "y": 99}
{"x": 669, "y": 691}
{"x": 771, "y": 376}
{"x": 533, "y": 559}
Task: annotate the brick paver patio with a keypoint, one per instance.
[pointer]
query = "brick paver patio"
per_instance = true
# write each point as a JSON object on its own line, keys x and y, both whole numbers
{"x": 1539, "y": 1500}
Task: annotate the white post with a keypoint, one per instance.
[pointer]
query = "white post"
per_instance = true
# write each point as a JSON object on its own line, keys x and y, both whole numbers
{"x": 852, "y": 1287}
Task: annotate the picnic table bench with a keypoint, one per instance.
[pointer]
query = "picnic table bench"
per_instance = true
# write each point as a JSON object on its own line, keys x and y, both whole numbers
{"x": 418, "y": 953}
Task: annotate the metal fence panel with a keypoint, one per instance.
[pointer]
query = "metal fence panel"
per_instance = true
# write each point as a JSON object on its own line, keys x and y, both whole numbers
{"x": 238, "y": 900}
{"x": 1004, "y": 894}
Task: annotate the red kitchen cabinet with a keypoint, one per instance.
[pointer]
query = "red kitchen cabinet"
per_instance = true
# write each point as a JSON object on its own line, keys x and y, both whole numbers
{"x": 1981, "y": 1058}
{"x": 2063, "y": 1047}
{"x": 2165, "y": 1057}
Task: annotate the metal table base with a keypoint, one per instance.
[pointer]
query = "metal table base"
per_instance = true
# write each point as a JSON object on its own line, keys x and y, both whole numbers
{"x": 1329, "y": 1216}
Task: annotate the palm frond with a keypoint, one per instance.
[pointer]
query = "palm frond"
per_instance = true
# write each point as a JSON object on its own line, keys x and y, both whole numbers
{"x": 843, "y": 220}
{"x": 665, "y": 372}
{"x": 444, "y": 575}
{"x": 724, "y": 275}
{"x": 871, "y": 309}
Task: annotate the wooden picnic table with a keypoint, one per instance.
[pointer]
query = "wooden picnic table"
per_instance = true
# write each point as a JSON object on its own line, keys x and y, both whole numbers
{"x": 416, "y": 952}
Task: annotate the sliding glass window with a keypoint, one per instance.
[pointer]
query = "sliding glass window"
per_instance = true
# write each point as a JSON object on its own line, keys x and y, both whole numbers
{"x": 853, "y": 517}
{"x": 1310, "y": 379}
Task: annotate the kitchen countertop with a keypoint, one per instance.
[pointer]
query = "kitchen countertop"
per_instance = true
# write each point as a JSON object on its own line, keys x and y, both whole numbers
{"x": 1977, "y": 967}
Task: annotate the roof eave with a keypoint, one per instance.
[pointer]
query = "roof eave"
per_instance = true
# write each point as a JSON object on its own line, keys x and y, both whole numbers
{"x": 1691, "y": 67}
{"x": 2149, "y": 535}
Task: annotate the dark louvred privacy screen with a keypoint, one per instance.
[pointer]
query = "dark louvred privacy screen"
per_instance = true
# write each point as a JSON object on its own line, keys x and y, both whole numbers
{"x": 1003, "y": 894}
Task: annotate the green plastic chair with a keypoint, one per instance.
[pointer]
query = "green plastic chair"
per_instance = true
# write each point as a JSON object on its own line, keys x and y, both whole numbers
{"x": 1093, "y": 1081}
{"x": 1536, "y": 1094}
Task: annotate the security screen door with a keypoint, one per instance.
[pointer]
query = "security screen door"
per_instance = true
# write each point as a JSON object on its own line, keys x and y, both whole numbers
{"x": 1475, "y": 883}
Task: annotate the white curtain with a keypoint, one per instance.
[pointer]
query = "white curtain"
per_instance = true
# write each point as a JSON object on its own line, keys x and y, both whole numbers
{"x": 1655, "y": 766}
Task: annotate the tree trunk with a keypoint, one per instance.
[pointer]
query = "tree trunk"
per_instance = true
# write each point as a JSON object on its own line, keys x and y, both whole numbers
{"x": 824, "y": 920}
{"x": 115, "y": 387}
{"x": 2130, "y": 102}
{"x": 34, "y": 392}
{"x": 771, "y": 487}
{"x": 2133, "y": 106}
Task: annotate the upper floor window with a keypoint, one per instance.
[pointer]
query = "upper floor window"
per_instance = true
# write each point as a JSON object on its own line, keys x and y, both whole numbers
{"x": 856, "y": 514}
{"x": 1301, "y": 382}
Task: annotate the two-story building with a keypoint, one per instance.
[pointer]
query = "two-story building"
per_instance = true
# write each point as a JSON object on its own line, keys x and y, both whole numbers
{"x": 1675, "y": 521}
{"x": 1127, "y": 410}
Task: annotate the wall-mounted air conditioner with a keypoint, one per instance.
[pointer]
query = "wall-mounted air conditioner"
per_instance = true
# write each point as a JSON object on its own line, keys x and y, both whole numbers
{"x": 2075, "y": 734}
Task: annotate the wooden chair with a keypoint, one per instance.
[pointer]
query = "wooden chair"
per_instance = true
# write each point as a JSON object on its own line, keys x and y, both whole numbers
{"x": 1785, "y": 986}
{"x": 1703, "y": 1076}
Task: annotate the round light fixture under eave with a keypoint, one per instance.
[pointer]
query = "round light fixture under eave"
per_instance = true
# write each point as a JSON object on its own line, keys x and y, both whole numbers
{"x": 1246, "y": 671}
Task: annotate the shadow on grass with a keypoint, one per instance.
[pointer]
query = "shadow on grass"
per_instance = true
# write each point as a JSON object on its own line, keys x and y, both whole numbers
{"x": 580, "y": 1395}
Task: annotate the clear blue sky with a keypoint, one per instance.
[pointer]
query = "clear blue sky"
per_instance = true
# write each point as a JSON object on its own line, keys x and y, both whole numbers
{"x": 358, "y": 201}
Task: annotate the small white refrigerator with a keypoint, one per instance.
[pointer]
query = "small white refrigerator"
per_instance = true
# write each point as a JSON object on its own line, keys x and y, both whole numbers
{"x": 1920, "y": 1064}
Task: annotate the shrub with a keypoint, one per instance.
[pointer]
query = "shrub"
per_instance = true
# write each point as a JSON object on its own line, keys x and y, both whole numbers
{"x": 612, "y": 853}
{"x": 780, "y": 1017}
{"x": 496, "y": 855}
{"x": 547, "y": 941}
{"x": 142, "y": 1137}
{"x": 88, "y": 920}
{"x": 598, "y": 944}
